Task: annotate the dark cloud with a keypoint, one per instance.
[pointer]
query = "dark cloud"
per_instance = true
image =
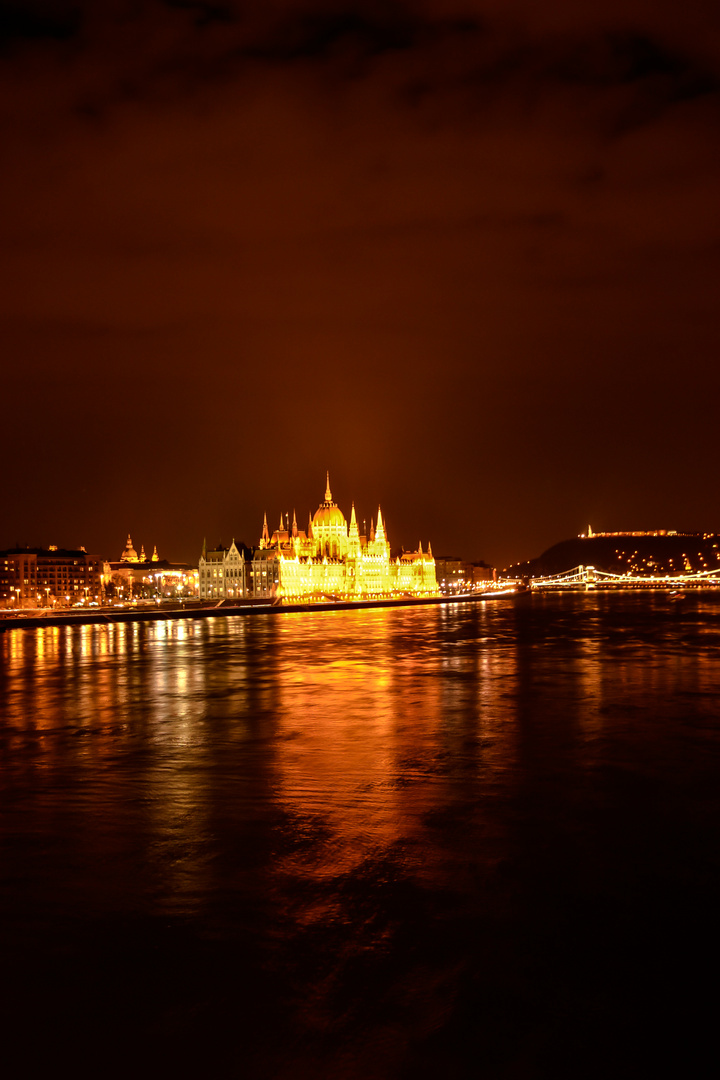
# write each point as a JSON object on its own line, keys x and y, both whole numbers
{"x": 438, "y": 62}
{"x": 31, "y": 20}
{"x": 204, "y": 13}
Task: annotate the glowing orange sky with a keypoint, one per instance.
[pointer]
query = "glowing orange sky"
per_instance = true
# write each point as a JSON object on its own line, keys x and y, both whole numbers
{"x": 464, "y": 256}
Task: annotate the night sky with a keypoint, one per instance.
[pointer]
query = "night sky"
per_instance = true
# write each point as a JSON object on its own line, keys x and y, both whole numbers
{"x": 463, "y": 255}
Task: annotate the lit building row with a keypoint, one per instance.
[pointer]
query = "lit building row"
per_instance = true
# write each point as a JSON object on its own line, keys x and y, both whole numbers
{"x": 330, "y": 560}
{"x": 134, "y": 576}
{"x": 49, "y": 577}
{"x": 456, "y": 575}
{"x": 60, "y": 578}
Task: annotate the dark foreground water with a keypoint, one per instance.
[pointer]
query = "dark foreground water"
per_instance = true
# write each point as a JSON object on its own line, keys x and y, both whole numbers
{"x": 479, "y": 840}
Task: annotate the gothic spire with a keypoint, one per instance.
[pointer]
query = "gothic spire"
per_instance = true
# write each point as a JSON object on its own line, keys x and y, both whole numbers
{"x": 353, "y": 534}
{"x": 328, "y": 493}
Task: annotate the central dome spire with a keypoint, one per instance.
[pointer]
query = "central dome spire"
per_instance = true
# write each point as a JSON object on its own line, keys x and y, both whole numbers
{"x": 329, "y": 528}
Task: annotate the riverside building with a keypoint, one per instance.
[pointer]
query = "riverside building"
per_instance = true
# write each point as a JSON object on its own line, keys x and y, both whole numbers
{"x": 329, "y": 560}
{"x": 49, "y": 577}
{"x": 134, "y": 576}
{"x": 221, "y": 573}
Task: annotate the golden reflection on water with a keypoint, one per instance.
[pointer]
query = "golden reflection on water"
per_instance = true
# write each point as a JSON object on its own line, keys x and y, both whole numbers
{"x": 381, "y": 724}
{"x": 362, "y": 731}
{"x": 341, "y": 736}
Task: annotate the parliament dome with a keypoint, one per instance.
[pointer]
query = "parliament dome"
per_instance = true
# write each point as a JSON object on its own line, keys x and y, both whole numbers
{"x": 328, "y": 514}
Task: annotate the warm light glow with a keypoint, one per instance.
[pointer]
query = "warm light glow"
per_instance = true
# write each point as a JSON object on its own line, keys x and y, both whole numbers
{"x": 331, "y": 561}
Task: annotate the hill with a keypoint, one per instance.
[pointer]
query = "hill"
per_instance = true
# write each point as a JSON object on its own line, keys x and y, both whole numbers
{"x": 637, "y": 553}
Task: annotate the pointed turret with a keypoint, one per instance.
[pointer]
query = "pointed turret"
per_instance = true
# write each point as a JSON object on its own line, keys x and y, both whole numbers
{"x": 379, "y": 528}
{"x": 430, "y": 554}
{"x": 420, "y": 550}
{"x": 142, "y": 553}
{"x": 353, "y": 535}
{"x": 328, "y": 493}
{"x": 294, "y": 525}
{"x": 310, "y": 528}
{"x": 282, "y": 520}
{"x": 372, "y": 530}
{"x": 265, "y": 538}
{"x": 155, "y": 556}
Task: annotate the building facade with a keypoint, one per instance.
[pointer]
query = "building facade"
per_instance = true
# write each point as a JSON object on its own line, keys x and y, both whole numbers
{"x": 330, "y": 560}
{"x": 135, "y": 576}
{"x": 49, "y": 577}
{"x": 456, "y": 575}
{"x": 221, "y": 573}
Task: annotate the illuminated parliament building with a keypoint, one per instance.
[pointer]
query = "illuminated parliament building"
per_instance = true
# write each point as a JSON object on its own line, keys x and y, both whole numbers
{"x": 332, "y": 560}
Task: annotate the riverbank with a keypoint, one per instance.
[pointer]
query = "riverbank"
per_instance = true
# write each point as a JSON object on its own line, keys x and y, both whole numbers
{"x": 100, "y": 616}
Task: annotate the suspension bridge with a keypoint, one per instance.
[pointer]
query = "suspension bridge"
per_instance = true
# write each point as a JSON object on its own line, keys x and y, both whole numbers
{"x": 588, "y": 577}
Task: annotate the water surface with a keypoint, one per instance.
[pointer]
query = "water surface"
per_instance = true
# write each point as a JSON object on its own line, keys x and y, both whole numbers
{"x": 473, "y": 840}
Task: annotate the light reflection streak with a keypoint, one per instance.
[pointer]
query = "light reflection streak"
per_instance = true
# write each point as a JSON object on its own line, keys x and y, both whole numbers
{"x": 365, "y": 739}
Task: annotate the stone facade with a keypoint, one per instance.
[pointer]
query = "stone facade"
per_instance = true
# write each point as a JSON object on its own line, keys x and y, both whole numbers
{"x": 221, "y": 573}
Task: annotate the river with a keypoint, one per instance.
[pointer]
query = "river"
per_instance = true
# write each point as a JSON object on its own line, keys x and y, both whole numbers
{"x": 470, "y": 840}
